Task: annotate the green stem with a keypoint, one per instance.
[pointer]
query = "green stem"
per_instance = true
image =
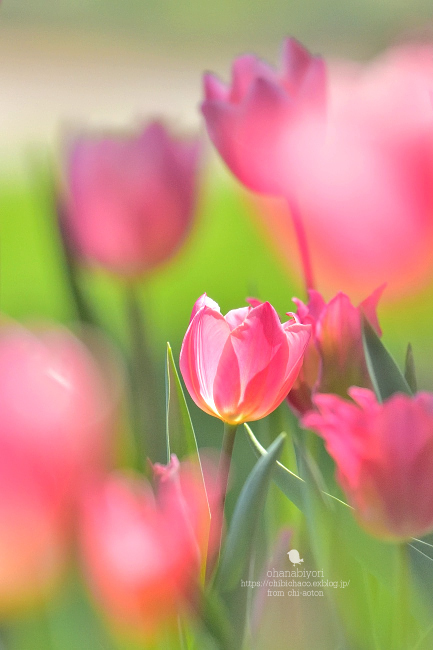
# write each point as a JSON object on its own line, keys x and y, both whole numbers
{"x": 149, "y": 437}
{"x": 82, "y": 308}
{"x": 402, "y": 596}
{"x": 216, "y": 526}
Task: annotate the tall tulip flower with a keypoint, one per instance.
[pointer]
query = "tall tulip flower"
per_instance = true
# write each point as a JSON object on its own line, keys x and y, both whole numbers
{"x": 142, "y": 549}
{"x": 130, "y": 198}
{"x": 364, "y": 185}
{"x": 239, "y": 367}
{"x": 251, "y": 121}
{"x": 334, "y": 360}
{"x": 384, "y": 458}
{"x": 54, "y": 438}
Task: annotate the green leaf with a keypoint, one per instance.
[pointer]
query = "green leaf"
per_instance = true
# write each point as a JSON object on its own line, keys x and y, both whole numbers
{"x": 409, "y": 370}
{"x": 421, "y": 565}
{"x": 214, "y": 619}
{"x": 287, "y": 481}
{"x": 180, "y": 433}
{"x": 384, "y": 373}
{"x": 376, "y": 556}
{"x": 238, "y": 545}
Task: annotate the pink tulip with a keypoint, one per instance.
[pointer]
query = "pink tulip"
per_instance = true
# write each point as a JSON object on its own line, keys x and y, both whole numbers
{"x": 364, "y": 186}
{"x": 131, "y": 198}
{"x": 334, "y": 360}
{"x": 384, "y": 458}
{"x": 143, "y": 551}
{"x": 252, "y": 121}
{"x": 33, "y": 539}
{"x": 239, "y": 367}
{"x": 54, "y": 427}
{"x": 54, "y": 408}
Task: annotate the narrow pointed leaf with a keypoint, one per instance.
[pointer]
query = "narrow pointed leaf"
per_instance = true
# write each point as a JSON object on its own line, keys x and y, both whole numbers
{"x": 181, "y": 438}
{"x": 409, "y": 369}
{"x": 239, "y": 543}
{"x": 288, "y": 482}
{"x": 180, "y": 433}
{"x": 384, "y": 373}
{"x": 374, "y": 555}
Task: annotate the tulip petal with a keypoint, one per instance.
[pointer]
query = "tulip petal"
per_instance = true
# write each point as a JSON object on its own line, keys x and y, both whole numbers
{"x": 369, "y": 307}
{"x": 214, "y": 88}
{"x": 253, "y": 366}
{"x": 204, "y": 301}
{"x": 236, "y": 317}
{"x": 200, "y": 354}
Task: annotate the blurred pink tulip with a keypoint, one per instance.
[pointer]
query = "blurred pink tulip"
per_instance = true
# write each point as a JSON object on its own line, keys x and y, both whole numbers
{"x": 334, "y": 360}
{"x": 33, "y": 539}
{"x": 197, "y": 489}
{"x": 364, "y": 184}
{"x": 384, "y": 458}
{"x": 143, "y": 551}
{"x": 54, "y": 408}
{"x": 239, "y": 367}
{"x": 251, "y": 122}
{"x": 131, "y": 199}
{"x": 54, "y": 427}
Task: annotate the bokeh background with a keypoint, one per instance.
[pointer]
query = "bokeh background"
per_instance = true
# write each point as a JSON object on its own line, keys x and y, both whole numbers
{"x": 66, "y": 65}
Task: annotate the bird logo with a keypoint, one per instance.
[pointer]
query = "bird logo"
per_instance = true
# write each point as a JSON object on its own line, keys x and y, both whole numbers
{"x": 294, "y": 557}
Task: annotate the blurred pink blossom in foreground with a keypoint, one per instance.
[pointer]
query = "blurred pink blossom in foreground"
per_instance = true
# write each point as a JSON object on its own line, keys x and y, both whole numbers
{"x": 130, "y": 199}
{"x": 334, "y": 360}
{"x": 55, "y": 421}
{"x": 143, "y": 550}
{"x": 384, "y": 457}
{"x": 239, "y": 367}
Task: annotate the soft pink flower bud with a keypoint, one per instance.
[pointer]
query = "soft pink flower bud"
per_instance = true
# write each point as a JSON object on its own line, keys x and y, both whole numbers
{"x": 251, "y": 122}
{"x": 334, "y": 360}
{"x": 143, "y": 551}
{"x": 239, "y": 367}
{"x": 131, "y": 199}
{"x": 384, "y": 458}
{"x": 54, "y": 426}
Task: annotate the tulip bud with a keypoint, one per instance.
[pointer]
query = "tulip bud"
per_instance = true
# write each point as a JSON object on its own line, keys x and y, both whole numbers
{"x": 240, "y": 367}
{"x": 130, "y": 199}
{"x": 384, "y": 458}
{"x": 142, "y": 551}
{"x": 54, "y": 426}
{"x": 252, "y": 121}
{"x": 334, "y": 360}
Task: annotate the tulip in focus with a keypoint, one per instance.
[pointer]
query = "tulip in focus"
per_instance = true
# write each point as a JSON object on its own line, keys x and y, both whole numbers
{"x": 143, "y": 550}
{"x": 384, "y": 458}
{"x": 130, "y": 198}
{"x": 334, "y": 360}
{"x": 240, "y": 367}
{"x": 252, "y": 121}
{"x": 54, "y": 438}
